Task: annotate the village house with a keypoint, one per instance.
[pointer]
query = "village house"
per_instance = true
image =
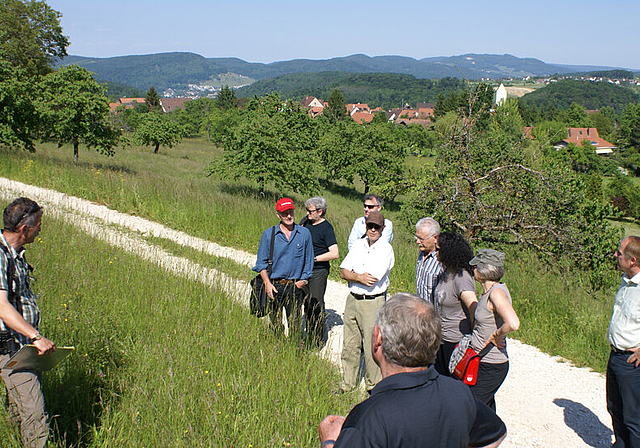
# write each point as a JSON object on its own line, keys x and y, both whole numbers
{"x": 578, "y": 135}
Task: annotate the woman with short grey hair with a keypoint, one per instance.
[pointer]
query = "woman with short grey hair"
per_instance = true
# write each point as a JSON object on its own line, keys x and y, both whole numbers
{"x": 494, "y": 319}
{"x": 325, "y": 249}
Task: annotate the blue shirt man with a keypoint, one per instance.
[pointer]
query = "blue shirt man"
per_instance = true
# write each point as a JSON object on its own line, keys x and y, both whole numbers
{"x": 292, "y": 266}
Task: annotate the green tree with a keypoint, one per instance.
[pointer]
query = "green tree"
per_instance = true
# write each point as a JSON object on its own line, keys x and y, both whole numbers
{"x": 158, "y": 130}
{"x": 31, "y": 36}
{"x": 576, "y": 116}
{"x": 74, "y": 109}
{"x": 152, "y": 99}
{"x": 273, "y": 144}
{"x": 336, "y": 109}
{"x": 374, "y": 152}
{"x": 18, "y": 116}
{"x": 491, "y": 189}
{"x": 629, "y": 132}
{"x": 226, "y": 99}
{"x": 30, "y": 42}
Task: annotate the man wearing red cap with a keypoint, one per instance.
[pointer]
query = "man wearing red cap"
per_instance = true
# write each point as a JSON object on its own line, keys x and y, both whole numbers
{"x": 291, "y": 269}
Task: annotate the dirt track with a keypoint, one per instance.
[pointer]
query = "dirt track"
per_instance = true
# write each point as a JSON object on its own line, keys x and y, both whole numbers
{"x": 545, "y": 401}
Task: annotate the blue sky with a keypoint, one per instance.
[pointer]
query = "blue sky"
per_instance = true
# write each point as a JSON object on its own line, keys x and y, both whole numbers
{"x": 569, "y": 32}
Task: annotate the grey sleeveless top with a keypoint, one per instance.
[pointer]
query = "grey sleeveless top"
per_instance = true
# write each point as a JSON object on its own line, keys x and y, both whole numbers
{"x": 486, "y": 322}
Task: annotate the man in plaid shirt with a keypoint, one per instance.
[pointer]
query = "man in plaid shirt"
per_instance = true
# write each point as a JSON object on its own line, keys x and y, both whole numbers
{"x": 428, "y": 268}
{"x": 19, "y": 320}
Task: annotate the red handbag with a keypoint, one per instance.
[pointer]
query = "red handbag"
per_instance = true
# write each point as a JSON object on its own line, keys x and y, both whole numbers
{"x": 467, "y": 367}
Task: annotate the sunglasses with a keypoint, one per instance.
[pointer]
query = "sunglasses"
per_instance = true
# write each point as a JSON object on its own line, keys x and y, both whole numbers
{"x": 374, "y": 226}
{"x": 369, "y": 206}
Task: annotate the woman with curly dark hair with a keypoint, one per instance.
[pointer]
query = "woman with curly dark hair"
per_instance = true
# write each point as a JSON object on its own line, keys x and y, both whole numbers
{"x": 455, "y": 295}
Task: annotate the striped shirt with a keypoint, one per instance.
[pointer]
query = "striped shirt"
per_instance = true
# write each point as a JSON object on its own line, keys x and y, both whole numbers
{"x": 428, "y": 272}
{"x": 21, "y": 288}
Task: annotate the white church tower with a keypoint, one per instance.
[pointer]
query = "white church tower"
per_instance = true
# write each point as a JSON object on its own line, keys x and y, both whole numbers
{"x": 501, "y": 95}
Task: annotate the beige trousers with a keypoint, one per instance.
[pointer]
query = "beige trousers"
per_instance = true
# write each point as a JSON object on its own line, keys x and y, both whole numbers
{"x": 25, "y": 403}
{"x": 359, "y": 317}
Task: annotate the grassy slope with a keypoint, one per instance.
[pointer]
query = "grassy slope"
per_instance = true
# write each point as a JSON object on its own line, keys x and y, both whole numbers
{"x": 162, "y": 361}
{"x": 557, "y": 314}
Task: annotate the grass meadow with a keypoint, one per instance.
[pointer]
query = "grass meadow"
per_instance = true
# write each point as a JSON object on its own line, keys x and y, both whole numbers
{"x": 164, "y": 361}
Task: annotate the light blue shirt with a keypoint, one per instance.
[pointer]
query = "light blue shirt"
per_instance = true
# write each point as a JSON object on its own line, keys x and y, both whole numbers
{"x": 292, "y": 258}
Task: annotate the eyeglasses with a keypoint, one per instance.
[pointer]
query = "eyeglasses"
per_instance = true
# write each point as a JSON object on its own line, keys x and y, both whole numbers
{"x": 34, "y": 209}
{"x": 312, "y": 211}
{"x": 370, "y": 206}
{"x": 374, "y": 226}
{"x": 422, "y": 240}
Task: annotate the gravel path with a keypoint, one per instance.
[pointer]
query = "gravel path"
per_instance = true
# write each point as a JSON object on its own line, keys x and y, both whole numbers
{"x": 545, "y": 401}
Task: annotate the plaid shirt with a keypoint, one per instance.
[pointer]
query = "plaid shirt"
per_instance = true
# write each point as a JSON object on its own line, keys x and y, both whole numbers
{"x": 428, "y": 272}
{"x": 21, "y": 288}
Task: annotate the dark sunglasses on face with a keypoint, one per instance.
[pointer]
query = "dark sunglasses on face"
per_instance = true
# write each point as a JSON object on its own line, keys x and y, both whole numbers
{"x": 373, "y": 226}
{"x": 369, "y": 206}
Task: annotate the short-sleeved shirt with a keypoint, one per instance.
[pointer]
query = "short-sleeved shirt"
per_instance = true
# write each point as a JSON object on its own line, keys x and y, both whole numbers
{"x": 454, "y": 315}
{"x": 428, "y": 272}
{"x": 624, "y": 328}
{"x": 323, "y": 237}
{"x": 292, "y": 258}
{"x": 21, "y": 288}
{"x": 486, "y": 322}
{"x": 420, "y": 410}
{"x": 377, "y": 260}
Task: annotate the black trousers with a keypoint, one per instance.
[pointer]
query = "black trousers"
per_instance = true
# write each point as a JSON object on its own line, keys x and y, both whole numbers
{"x": 490, "y": 378}
{"x": 314, "y": 307}
{"x": 289, "y": 297}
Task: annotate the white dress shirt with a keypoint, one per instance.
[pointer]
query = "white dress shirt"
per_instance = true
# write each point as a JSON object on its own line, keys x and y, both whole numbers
{"x": 377, "y": 260}
{"x": 624, "y": 328}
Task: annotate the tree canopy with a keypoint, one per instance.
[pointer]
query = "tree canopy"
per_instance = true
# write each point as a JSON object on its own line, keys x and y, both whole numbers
{"x": 158, "y": 130}
{"x": 31, "y": 36}
{"x": 490, "y": 186}
{"x": 273, "y": 144}
{"x": 74, "y": 109}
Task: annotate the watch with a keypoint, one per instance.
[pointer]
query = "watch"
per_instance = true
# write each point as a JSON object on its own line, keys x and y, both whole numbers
{"x": 36, "y": 337}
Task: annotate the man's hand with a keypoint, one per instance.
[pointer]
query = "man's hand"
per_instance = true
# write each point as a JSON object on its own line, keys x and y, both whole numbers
{"x": 367, "y": 279}
{"x": 271, "y": 289}
{"x": 635, "y": 357}
{"x": 44, "y": 346}
{"x": 300, "y": 283}
{"x": 329, "y": 428}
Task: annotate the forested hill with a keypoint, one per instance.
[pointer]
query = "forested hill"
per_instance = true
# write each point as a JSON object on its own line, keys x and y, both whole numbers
{"x": 591, "y": 95}
{"x": 165, "y": 70}
{"x": 377, "y": 89}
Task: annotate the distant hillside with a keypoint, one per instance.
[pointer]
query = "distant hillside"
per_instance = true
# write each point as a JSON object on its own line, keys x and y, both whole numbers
{"x": 164, "y": 70}
{"x": 387, "y": 90}
{"x": 592, "y": 95}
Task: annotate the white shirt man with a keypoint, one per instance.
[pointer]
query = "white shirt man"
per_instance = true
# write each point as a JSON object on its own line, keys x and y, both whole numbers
{"x": 366, "y": 267}
{"x": 623, "y": 368}
{"x": 359, "y": 229}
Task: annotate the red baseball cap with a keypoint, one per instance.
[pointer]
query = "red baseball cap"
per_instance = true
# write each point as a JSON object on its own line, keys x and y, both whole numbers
{"x": 284, "y": 204}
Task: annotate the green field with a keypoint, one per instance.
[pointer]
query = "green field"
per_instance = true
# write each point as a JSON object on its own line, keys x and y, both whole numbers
{"x": 164, "y": 361}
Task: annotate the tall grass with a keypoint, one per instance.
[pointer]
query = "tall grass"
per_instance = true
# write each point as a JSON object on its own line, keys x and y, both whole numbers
{"x": 558, "y": 312}
{"x": 165, "y": 361}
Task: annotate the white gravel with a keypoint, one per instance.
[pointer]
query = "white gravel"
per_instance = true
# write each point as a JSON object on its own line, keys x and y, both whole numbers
{"x": 545, "y": 401}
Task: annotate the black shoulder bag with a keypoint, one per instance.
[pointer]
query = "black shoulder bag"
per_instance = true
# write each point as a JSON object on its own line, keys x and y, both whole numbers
{"x": 258, "y": 302}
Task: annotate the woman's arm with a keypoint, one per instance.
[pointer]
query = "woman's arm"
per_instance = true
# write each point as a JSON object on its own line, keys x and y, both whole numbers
{"x": 500, "y": 303}
{"x": 470, "y": 301}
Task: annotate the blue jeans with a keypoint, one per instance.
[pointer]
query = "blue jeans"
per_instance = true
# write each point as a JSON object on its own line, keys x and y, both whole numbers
{"x": 623, "y": 400}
